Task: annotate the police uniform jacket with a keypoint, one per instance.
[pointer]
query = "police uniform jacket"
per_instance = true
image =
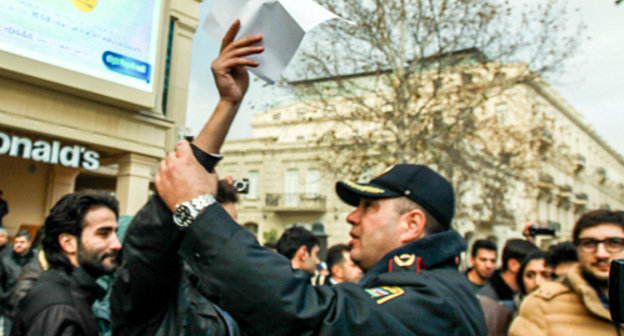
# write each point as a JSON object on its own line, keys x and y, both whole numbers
{"x": 414, "y": 290}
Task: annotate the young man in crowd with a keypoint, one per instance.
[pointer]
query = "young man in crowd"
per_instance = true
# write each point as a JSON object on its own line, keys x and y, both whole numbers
{"x": 341, "y": 267}
{"x": 483, "y": 261}
{"x": 561, "y": 257}
{"x": 80, "y": 245}
{"x": 301, "y": 247}
{"x": 578, "y": 305}
{"x": 502, "y": 285}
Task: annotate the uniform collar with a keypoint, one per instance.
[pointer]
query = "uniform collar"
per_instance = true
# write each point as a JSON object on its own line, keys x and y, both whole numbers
{"x": 426, "y": 253}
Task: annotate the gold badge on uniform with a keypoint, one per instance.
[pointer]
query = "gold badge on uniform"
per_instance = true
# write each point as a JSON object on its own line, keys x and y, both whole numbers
{"x": 405, "y": 260}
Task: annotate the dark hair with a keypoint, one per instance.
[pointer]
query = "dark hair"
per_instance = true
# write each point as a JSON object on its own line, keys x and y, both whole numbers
{"x": 226, "y": 192}
{"x": 293, "y": 238}
{"x": 517, "y": 249}
{"x": 534, "y": 255}
{"x": 24, "y": 233}
{"x": 335, "y": 255}
{"x": 482, "y": 244}
{"x": 595, "y": 218}
{"x": 561, "y": 253}
{"x": 67, "y": 216}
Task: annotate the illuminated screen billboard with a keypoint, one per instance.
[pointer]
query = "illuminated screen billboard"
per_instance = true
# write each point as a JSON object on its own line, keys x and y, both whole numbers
{"x": 108, "y": 41}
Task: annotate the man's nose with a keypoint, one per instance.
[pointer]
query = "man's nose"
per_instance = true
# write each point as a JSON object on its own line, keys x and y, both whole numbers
{"x": 353, "y": 218}
{"x": 601, "y": 251}
{"x": 115, "y": 243}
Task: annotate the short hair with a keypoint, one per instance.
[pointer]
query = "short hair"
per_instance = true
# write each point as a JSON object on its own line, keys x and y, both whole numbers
{"x": 293, "y": 238}
{"x": 482, "y": 244}
{"x": 226, "y": 192}
{"x": 561, "y": 253}
{"x": 405, "y": 204}
{"x": 517, "y": 249}
{"x": 67, "y": 216}
{"x": 3, "y": 230}
{"x": 335, "y": 255}
{"x": 534, "y": 255}
{"x": 23, "y": 233}
{"x": 595, "y": 218}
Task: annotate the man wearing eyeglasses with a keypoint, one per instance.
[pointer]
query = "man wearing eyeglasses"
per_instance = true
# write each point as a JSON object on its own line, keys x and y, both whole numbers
{"x": 579, "y": 303}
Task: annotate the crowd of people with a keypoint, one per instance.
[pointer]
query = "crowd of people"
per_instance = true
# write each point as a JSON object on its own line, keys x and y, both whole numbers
{"x": 187, "y": 268}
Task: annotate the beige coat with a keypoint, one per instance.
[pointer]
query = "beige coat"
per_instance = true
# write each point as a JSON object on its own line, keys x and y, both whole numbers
{"x": 561, "y": 309}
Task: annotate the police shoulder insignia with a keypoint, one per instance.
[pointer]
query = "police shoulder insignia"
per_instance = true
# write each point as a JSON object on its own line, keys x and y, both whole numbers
{"x": 404, "y": 260}
{"x": 384, "y": 294}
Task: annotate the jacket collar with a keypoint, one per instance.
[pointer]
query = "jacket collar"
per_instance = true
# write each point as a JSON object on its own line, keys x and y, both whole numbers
{"x": 87, "y": 285}
{"x": 587, "y": 292}
{"x": 426, "y": 253}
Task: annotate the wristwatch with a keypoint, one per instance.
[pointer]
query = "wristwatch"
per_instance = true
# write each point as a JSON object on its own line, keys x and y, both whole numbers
{"x": 186, "y": 212}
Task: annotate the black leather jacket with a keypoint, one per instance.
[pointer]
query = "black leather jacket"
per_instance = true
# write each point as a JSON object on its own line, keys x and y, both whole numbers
{"x": 58, "y": 304}
{"x": 152, "y": 294}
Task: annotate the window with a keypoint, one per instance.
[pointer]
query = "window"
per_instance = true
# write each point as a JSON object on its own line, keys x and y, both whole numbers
{"x": 253, "y": 184}
{"x": 291, "y": 187}
{"x": 313, "y": 182}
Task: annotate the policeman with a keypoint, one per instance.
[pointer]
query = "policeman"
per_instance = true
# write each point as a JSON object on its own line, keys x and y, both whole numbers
{"x": 401, "y": 238}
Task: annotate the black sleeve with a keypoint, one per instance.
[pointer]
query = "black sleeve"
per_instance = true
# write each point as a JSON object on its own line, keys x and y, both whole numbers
{"x": 265, "y": 296}
{"x": 57, "y": 320}
{"x": 148, "y": 277}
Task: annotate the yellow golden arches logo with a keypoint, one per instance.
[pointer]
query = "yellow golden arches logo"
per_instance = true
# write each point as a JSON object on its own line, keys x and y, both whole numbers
{"x": 85, "y": 5}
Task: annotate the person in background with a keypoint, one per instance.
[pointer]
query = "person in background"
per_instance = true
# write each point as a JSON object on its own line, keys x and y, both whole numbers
{"x": 11, "y": 264}
{"x": 579, "y": 303}
{"x": 341, "y": 267}
{"x": 4, "y": 241}
{"x": 4, "y": 208}
{"x": 561, "y": 257}
{"x": 503, "y": 285}
{"x": 301, "y": 247}
{"x": 533, "y": 272}
{"x": 483, "y": 260}
{"x": 80, "y": 244}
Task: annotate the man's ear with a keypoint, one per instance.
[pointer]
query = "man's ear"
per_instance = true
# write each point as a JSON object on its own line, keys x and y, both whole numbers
{"x": 336, "y": 272}
{"x": 68, "y": 243}
{"x": 302, "y": 253}
{"x": 513, "y": 265}
{"x": 413, "y": 225}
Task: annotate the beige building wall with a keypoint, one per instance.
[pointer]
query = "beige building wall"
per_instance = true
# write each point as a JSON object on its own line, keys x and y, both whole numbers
{"x": 129, "y": 139}
{"x": 586, "y": 174}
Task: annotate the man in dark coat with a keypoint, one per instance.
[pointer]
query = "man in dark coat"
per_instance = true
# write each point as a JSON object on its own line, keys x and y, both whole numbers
{"x": 80, "y": 245}
{"x": 11, "y": 264}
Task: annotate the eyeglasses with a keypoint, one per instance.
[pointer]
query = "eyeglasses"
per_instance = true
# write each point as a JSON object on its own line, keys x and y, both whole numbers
{"x": 612, "y": 245}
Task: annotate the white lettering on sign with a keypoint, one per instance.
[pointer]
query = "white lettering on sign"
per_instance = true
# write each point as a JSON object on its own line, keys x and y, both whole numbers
{"x": 43, "y": 151}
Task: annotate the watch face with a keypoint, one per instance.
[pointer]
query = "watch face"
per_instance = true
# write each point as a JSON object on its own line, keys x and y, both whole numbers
{"x": 182, "y": 216}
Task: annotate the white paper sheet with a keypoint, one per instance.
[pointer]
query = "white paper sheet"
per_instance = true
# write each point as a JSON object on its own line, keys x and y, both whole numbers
{"x": 282, "y": 23}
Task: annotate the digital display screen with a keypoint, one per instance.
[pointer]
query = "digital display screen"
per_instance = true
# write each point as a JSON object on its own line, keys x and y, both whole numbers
{"x": 112, "y": 40}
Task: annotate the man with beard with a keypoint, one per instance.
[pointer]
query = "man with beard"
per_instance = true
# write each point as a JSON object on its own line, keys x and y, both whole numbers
{"x": 579, "y": 304}
{"x": 81, "y": 245}
{"x": 483, "y": 261}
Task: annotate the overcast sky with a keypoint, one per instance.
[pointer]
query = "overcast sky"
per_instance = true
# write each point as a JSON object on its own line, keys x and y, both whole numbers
{"x": 593, "y": 82}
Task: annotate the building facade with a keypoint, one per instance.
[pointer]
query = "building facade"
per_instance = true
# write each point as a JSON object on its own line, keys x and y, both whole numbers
{"x": 65, "y": 128}
{"x": 289, "y": 185}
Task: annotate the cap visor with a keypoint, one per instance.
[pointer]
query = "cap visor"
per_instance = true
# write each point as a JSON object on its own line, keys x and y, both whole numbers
{"x": 351, "y": 193}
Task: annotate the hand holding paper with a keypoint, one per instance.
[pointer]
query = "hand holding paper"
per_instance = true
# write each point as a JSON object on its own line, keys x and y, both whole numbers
{"x": 282, "y": 23}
